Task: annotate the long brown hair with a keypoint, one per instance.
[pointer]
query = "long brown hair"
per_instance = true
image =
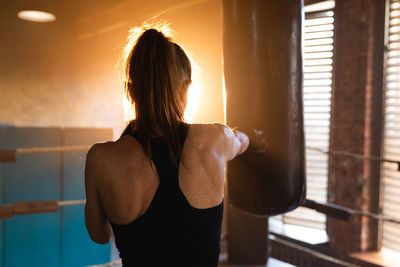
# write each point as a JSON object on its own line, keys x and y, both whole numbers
{"x": 156, "y": 70}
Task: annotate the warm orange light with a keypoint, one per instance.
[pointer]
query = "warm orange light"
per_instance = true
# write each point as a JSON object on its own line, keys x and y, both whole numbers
{"x": 128, "y": 108}
{"x": 194, "y": 95}
{"x": 194, "y": 92}
{"x": 224, "y": 96}
{"x": 36, "y": 16}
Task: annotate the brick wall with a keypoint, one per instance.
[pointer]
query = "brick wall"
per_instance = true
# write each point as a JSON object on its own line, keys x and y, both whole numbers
{"x": 356, "y": 120}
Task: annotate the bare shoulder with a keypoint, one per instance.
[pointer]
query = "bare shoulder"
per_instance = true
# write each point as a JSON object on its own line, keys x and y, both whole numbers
{"x": 216, "y": 138}
{"x": 210, "y": 132}
{"x": 111, "y": 148}
{"x": 97, "y": 153}
{"x": 103, "y": 156}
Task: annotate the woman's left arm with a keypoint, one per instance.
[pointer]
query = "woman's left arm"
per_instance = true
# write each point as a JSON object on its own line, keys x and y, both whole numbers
{"x": 97, "y": 223}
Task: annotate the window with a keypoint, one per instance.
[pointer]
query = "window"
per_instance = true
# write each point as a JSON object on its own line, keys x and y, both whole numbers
{"x": 318, "y": 47}
{"x": 390, "y": 200}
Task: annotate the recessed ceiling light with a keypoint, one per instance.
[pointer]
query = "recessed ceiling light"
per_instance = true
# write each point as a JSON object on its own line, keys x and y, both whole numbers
{"x": 36, "y": 16}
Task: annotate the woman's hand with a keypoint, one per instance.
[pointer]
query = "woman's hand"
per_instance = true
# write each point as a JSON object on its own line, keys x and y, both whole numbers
{"x": 258, "y": 139}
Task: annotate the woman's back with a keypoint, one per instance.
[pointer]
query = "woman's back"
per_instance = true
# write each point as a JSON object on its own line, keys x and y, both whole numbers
{"x": 186, "y": 208}
{"x": 129, "y": 179}
{"x": 170, "y": 228}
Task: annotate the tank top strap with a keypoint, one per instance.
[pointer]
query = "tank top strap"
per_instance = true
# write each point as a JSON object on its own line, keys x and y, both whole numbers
{"x": 183, "y": 132}
{"x": 168, "y": 172}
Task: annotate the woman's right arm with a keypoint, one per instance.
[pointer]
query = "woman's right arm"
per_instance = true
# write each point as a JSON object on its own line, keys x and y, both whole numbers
{"x": 232, "y": 142}
{"x": 243, "y": 139}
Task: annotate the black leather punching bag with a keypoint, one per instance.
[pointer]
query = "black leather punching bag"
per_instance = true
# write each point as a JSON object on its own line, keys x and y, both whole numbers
{"x": 263, "y": 68}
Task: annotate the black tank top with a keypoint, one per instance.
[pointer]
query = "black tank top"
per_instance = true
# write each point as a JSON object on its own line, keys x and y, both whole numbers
{"x": 170, "y": 232}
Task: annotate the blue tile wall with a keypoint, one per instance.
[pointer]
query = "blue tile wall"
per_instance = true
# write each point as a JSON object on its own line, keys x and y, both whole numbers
{"x": 55, "y": 238}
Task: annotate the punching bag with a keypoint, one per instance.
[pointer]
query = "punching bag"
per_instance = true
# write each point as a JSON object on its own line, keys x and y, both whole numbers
{"x": 263, "y": 70}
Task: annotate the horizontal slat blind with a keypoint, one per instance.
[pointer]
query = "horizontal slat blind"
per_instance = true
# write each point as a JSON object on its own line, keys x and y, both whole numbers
{"x": 318, "y": 52}
{"x": 391, "y": 145}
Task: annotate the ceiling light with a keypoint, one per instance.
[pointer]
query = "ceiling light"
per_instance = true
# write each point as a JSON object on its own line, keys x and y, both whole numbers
{"x": 36, "y": 16}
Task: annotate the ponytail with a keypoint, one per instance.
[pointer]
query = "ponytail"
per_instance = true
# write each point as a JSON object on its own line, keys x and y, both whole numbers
{"x": 156, "y": 70}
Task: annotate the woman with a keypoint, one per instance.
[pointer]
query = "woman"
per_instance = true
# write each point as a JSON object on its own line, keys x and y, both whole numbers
{"x": 159, "y": 188}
